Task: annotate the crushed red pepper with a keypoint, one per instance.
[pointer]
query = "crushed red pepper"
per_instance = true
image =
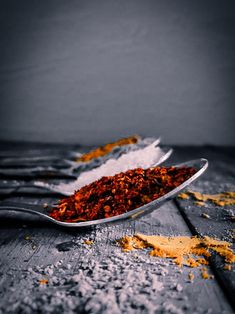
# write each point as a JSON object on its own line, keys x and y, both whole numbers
{"x": 115, "y": 195}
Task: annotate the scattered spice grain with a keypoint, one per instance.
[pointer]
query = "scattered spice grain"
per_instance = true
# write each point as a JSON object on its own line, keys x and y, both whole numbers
{"x": 205, "y": 274}
{"x": 88, "y": 242}
{"x": 43, "y": 281}
{"x": 33, "y": 243}
{"x": 191, "y": 276}
{"x": 199, "y": 203}
{"x": 183, "y": 196}
{"x": 228, "y": 267}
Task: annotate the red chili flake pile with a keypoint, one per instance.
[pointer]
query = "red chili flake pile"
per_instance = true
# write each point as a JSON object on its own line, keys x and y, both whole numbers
{"x": 115, "y": 195}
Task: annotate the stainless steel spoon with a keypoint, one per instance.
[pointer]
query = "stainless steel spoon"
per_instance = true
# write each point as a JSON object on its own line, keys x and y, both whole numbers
{"x": 199, "y": 164}
{"x": 38, "y": 167}
{"x": 67, "y": 189}
{"x": 76, "y": 168}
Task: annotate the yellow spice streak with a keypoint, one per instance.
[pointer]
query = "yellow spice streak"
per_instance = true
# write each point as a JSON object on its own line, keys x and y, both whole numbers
{"x": 88, "y": 242}
{"x": 43, "y": 281}
{"x": 191, "y": 276}
{"x": 183, "y": 196}
{"x": 228, "y": 267}
{"x": 205, "y": 274}
{"x": 104, "y": 150}
{"x": 190, "y": 251}
{"x": 221, "y": 199}
{"x": 199, "y": 203}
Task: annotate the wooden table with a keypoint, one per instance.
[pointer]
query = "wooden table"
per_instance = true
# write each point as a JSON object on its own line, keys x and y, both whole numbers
{"x": 48, "y": 269}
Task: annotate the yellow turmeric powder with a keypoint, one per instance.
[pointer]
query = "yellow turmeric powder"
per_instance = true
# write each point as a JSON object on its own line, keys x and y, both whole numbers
{"x": 190, "y": 251}
{"x": 104, "y": 150}
{"x": 220, "y": 199}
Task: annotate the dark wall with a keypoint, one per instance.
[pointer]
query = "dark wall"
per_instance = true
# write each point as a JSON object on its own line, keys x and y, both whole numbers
{"x": 91, "y": 71}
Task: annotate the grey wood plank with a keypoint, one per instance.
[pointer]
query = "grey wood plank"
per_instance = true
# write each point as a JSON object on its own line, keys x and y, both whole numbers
{"x": 219, "y": 178}
{"x": 53, "y": 244}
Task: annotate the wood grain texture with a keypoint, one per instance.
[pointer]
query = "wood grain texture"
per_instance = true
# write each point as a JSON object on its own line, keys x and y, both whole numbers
{"x": 219, "y": 224}
{"x": 48, "y": 244}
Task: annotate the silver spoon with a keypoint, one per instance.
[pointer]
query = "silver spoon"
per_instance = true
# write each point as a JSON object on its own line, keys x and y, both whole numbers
{"x": 66, "y": 189}
{"x": 33, "y": 166}
{"x": 69, "y": 187}
{"x": 76, "y": 168}
{"x": 199, "y": 164}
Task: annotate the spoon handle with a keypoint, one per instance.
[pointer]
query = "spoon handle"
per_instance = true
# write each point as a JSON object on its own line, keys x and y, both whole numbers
{"x": 22, "y": 207}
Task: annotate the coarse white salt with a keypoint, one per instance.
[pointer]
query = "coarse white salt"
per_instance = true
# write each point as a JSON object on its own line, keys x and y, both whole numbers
{"x": 146, "y": 157}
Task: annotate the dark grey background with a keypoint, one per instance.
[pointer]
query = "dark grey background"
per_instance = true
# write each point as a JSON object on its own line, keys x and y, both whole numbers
{"x": 91, "y": 71}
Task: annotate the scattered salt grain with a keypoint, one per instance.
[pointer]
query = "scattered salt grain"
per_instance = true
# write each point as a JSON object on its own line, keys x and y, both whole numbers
{"x": 179, "y": 287}
{"x": 107, "y": 282}
{"x": 69, "y": 266}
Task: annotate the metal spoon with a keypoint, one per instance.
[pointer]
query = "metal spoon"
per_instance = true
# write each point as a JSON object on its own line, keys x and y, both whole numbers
{"x": 76, "y": 168}
{"x": 31, "y": 167}
{"x": 67, "y": 189}
{"x": 199, "y": 164}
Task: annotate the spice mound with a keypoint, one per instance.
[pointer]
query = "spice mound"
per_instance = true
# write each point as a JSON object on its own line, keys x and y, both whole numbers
{"x": 118, "y": 194}
{"x": 106, "y": 149}
{"x": 190, "y": 251}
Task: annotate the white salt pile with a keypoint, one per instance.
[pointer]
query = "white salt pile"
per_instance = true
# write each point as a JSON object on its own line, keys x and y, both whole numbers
{"x": 144, "y": 158}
